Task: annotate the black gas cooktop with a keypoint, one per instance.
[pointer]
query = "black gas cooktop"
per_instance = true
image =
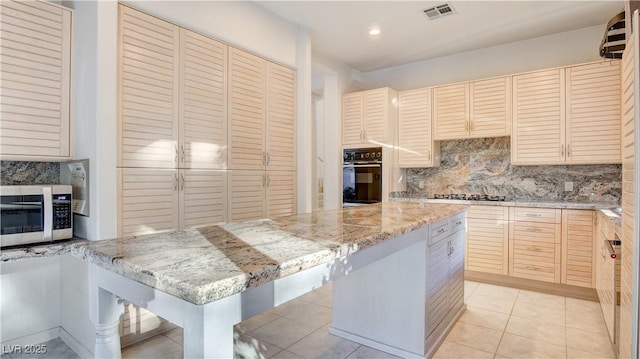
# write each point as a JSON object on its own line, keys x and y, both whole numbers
{"x": 470, "y": 197}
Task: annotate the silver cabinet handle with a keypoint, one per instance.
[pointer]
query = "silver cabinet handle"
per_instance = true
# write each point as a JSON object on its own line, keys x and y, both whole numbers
{"x": 177, "y": 155}
{"x": 175, "y": 182}
{"x": 182, "y": 154}
{"x": 268, "y": 180}
{"x": 182, "y": 183}
{"x": 569, "y": 150}
{"x": 268, "y": 158}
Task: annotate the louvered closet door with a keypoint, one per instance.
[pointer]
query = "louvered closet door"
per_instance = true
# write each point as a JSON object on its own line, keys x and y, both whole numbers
{"x": 35, "y": 56}
{"x": 593, "y": 113}
{"x": 246, "y": 110}
{"x": 246, "y": 195}
{"x": 149, "y": 90}
{"x": 374, "y": 115}
{"x": 414, "y": 134}
{"x": 538, "y": 118}
{"x": 203, "y": 197}
{"x": 281, "y": 115}
{"x": 450, "y": 111}
{"x": 490, "y": 107}
{"x": 149, "y": 200}
{"x": 352, "y": 119}
{"x": 203, "y": 102}
{"x": 281, "y": 193}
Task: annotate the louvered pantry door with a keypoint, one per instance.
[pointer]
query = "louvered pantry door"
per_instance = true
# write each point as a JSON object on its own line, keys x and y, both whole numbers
{"x": 148, "y": 201}
{"x": 538, "y": 118}
{"x": 414, "y": 128}
{"x": 149, "y": 89}
{"x": 246, "y": 195}
{"x": 203, "y": 197}
{"x": 247, "y": 75}
{"x": 203, "y": 98}
{"x": 490, "y": 107}
{"x": 352, "y": 118}
{"x": 593, "y": 113}
{"x": 450, "y": 112}
{"x": 35, "y": 56}
{"x": 281, "y": 115}
{"x": 281, "y": 193}
{"x": 375, "y": 115}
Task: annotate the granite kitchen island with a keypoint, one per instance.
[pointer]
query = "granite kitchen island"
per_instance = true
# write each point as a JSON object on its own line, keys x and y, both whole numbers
{"x": 386, "y": 261}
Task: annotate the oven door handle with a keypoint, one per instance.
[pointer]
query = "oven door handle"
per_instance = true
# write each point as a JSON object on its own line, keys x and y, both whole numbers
{"x": 377, "y": 165}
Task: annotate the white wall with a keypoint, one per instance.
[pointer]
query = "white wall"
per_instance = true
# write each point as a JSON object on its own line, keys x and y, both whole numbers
{"x": 561, "y": 49}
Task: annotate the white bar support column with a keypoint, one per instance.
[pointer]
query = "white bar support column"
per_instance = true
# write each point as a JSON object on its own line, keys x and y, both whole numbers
{"x": 108, "y": 309}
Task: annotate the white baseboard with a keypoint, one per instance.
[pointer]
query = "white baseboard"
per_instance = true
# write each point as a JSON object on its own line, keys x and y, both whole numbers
{"x": 75, "y": 345}
{"x": 374, "y": 344}
{"x": 35, "y": 338}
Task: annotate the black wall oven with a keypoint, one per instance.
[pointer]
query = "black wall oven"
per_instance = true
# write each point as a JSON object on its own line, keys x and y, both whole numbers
{"x": 361, "y": 176}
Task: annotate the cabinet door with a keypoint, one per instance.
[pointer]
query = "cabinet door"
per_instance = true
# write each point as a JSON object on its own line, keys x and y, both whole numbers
{"x": 538, "y": 118}
{"x": 578, "y": 248}
{"x": 203, "y": 96}
{"x": 148, "y": 201}
{"x": 149, "y": 55}
{"x": 490, "y": 107}
{"x": 415, "y": 141}
{"x": 375, "y": 116}
{"x": 34, "y": 79}
{"x": 352, "y": 118}
{"x": 281, "y": 193}
{"x": 450, "y": 112}
{"x": 437, "y": 305}
{"x": 246, "y": 110}
{"x": 281, "y": 115}
{"x": 455, "y": 280}
{"x": 246, "y": 195}
{"x": 488, "y": 239}
{"x": 203, "y": 197}
{"x": 593, "y": 113}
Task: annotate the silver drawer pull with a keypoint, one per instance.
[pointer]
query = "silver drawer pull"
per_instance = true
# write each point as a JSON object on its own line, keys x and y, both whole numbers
{"x": 534, "y": 249}
{"x": 533, "y": 215}
{"x": 533, "y": 268}
{"x": 458, "y": 222}
{"x": 533, "y": 229}
{"x": 441, "y": 230}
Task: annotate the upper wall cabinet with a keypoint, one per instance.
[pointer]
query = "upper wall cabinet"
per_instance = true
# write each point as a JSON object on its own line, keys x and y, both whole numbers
{"x": 567, "y": 116}
{"x": 173, "y": 95}
{"x": 35, "y": 80}
{"x": 472, "y": 109}
{"x": 416, "y": 147}
{"x": 366, "y": 117}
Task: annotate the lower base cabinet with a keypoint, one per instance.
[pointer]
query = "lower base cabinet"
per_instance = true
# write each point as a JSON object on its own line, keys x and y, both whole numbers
{"x": 488, "y": 239}
{"x": 437, "y": 259}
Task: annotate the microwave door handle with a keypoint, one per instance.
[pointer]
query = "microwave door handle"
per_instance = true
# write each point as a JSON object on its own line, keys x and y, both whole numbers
{"x": 48, "y": 213}
{"x": 366, "y": 166}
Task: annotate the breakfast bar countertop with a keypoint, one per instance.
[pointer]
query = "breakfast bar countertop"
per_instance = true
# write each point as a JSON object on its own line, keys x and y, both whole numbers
{"x": 205, "y": 264}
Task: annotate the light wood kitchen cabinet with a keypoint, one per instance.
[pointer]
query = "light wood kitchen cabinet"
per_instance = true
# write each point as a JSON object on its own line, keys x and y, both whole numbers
{"x": 535, "y": 243}
{"x": 159, "y": 200}
{"x": 578, "y": 248}
{"x": 416, "y": 147}
{"x": 35, "y": 80}
{"x": 488, "y": 239}
{"x": 567, "y": 115}
{"x": 369, "y": 117}
{"x": 472, "y": 109}
{"x": 281, "y": 115}
{"x": 172, "y": 95}
{"x": 259, "y": 194}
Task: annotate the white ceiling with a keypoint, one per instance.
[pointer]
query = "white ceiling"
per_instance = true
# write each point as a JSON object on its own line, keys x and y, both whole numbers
{"x": 340, "y": 28}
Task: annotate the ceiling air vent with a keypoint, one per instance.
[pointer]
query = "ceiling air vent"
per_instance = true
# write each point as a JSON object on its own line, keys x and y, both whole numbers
{"x": 439, "y": 11}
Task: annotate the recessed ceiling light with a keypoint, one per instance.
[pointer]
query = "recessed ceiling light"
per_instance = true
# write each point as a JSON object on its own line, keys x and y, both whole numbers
{"x": 374, "y": 31}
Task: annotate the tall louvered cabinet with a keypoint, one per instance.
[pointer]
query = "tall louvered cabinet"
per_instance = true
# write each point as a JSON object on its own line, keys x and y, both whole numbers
{"x": 567, "y": 115}
{"x": 172, "y": 126}
{"x": 35, "y": 80}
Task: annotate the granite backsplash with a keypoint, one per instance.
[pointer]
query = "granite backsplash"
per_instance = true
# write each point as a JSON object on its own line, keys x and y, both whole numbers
{"x": 483, "y": 166}
{"x": 29, "y": 173}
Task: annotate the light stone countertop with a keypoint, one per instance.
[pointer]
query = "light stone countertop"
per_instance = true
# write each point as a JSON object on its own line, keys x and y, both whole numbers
{"x": 538, "y": 204}
{"x": 38, "y": 251}
{"x": 209, "y": 263}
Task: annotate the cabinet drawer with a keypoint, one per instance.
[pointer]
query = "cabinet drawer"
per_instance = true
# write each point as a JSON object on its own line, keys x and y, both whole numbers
{"x": 438, "y": 231}
{"x": 543, "y": 215}
{"x": 538, "y": 232}
{"x": 487, "y": 212}
{"x": 457, "y": 222}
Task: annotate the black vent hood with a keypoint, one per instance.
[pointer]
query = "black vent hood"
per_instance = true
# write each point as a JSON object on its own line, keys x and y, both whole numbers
{"x": 613, "y": 41}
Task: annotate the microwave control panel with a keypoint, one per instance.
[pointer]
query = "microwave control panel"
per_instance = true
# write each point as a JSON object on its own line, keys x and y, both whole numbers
{"x": 62, "y": 213}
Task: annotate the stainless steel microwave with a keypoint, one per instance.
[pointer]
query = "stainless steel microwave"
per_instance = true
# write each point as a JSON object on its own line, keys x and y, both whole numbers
{"x": 35, "y": 214}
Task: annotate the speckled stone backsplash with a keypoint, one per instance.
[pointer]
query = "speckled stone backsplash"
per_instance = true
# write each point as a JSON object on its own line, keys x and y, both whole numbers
{"x": 28, "y": 173}
{"x": 483, "y": 166}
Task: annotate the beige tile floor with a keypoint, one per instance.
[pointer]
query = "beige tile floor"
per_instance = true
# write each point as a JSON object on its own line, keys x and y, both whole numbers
{"x": 499, "y": 322}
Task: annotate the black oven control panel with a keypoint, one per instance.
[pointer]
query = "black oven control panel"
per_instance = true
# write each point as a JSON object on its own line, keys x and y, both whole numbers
{"x": 360, "y": 155}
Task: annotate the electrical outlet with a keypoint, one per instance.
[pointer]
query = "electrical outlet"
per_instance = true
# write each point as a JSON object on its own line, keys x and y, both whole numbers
{"x": 421, "y": 184}
{"x": 568, "y": 186}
